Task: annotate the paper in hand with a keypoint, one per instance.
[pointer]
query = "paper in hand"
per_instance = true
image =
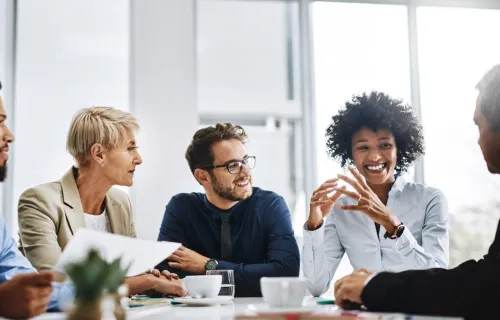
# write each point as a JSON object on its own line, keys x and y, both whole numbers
{"x": 142, "y": 255}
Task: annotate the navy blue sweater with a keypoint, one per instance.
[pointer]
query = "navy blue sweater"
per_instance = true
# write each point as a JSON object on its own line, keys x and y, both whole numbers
{"x": 261, "y": 234}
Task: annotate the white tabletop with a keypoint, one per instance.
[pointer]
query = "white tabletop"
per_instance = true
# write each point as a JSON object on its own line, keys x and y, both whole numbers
{"x": 239, "y": 306}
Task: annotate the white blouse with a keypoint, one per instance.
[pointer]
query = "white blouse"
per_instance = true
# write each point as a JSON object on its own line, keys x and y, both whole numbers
{"x": 424, "y": 243}
{"x": 98, "y": 222}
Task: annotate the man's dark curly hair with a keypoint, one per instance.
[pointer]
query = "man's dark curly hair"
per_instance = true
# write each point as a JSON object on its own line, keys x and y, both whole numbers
{"x": 375, "y": 110}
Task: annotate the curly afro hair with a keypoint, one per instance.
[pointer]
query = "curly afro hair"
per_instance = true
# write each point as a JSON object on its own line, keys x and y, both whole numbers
{"x": 375, "y": 110}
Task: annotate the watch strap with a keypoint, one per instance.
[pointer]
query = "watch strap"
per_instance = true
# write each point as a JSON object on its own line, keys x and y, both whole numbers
{"x": 398, "y": 231}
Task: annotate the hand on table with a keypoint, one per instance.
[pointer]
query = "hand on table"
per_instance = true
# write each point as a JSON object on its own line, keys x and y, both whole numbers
{"x": 169, "y": 286}
{"x": 165, "y": 273}
{"x": 165, "y": 283}
{"x": 349, "y": 288}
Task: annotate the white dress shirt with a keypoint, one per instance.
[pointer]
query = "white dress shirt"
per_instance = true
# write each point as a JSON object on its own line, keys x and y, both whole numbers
{"x": 424, "y": 243}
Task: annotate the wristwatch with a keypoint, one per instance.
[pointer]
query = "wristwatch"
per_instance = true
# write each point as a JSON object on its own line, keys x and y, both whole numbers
{"x": 211, "y": 264}
{"x": 398, "y": 231}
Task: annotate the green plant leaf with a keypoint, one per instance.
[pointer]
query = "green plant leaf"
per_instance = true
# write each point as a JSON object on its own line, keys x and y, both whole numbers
{"x": 93, "y": 275}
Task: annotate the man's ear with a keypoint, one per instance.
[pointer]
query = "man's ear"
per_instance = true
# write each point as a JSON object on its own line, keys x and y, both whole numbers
{"x": 202, "y": 176}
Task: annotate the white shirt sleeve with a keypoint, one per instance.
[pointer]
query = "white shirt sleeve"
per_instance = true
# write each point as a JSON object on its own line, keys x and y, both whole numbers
{"x": 321, "y": 256}
{"x": 434, "y": 251}
{"x": 370, "y": 277}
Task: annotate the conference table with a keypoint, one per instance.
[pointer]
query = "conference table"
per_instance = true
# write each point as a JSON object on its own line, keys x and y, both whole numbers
{"x": 238, "y": 307}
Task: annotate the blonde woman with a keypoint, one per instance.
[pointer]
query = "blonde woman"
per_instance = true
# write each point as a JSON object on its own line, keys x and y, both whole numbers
{"x": 102, "y": 142}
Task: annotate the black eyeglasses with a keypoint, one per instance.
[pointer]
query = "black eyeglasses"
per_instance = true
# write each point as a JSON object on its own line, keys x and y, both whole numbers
{"x": 235, "y": 166}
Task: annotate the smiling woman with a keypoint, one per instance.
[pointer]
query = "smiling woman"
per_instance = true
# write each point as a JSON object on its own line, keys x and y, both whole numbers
{"x": 386, "y": 223}
{"x": 374, "y": 111}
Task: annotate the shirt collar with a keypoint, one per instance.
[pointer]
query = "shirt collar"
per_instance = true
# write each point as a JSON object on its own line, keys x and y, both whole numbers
{"x": 234, "y": 209}
{"x": 214, "y": 209}
{"x": 399, "y": 184}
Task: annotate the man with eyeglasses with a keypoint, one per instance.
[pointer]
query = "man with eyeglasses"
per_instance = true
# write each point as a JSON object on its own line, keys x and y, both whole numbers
{"x": 232, "y": 226}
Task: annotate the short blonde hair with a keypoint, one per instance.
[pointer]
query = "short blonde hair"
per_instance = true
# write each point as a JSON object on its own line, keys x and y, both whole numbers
{"x": 105, "y": 125}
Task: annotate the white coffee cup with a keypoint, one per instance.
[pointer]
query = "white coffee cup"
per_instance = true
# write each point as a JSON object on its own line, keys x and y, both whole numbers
{"x": 202, "y": 286}
{"x": 283, "y": 292}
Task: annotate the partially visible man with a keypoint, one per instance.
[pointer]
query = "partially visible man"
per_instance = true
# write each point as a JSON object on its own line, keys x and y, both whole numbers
{"x": 24, "y": 293}
{"x": 469, "y": 290}
{"x": 232, "y": 225}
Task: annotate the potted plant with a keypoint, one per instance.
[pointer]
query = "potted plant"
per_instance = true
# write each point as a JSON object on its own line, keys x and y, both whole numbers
{"x": 96, "y": 282}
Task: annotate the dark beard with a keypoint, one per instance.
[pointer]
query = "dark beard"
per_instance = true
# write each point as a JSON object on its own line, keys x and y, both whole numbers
{"x": 227, "y": 193}
{"x": 3, "y": 172}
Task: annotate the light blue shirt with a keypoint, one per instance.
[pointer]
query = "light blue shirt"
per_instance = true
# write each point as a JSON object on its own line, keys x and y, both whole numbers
{"x": 12, "y": 263}
{"x": 424, "y": 243}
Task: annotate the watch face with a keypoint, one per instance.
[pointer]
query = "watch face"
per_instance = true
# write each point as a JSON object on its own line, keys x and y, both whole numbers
{"x": 211, "y": 265}
{"x": 401, "y": 228}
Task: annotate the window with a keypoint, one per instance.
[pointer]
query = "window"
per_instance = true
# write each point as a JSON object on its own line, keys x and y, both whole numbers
{"x": 248, "y": 74}
{"x": 456, "y": 47}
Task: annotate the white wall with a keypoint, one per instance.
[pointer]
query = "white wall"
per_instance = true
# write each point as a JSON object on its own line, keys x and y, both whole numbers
{"x": 163, "y": 96}
{"x": 70, "y": 54}
{"x": 243, "y": 63}
{"x": 272, "y": 169}
{"x": 242, "y": 58}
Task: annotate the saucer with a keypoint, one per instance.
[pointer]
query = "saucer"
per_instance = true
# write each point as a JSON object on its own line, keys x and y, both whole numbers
{"x": 265, "y": 309}
{"x": 203, "y": 301}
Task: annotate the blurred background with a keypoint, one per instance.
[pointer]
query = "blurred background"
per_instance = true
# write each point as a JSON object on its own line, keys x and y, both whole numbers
{"x": 281, "y": 69}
